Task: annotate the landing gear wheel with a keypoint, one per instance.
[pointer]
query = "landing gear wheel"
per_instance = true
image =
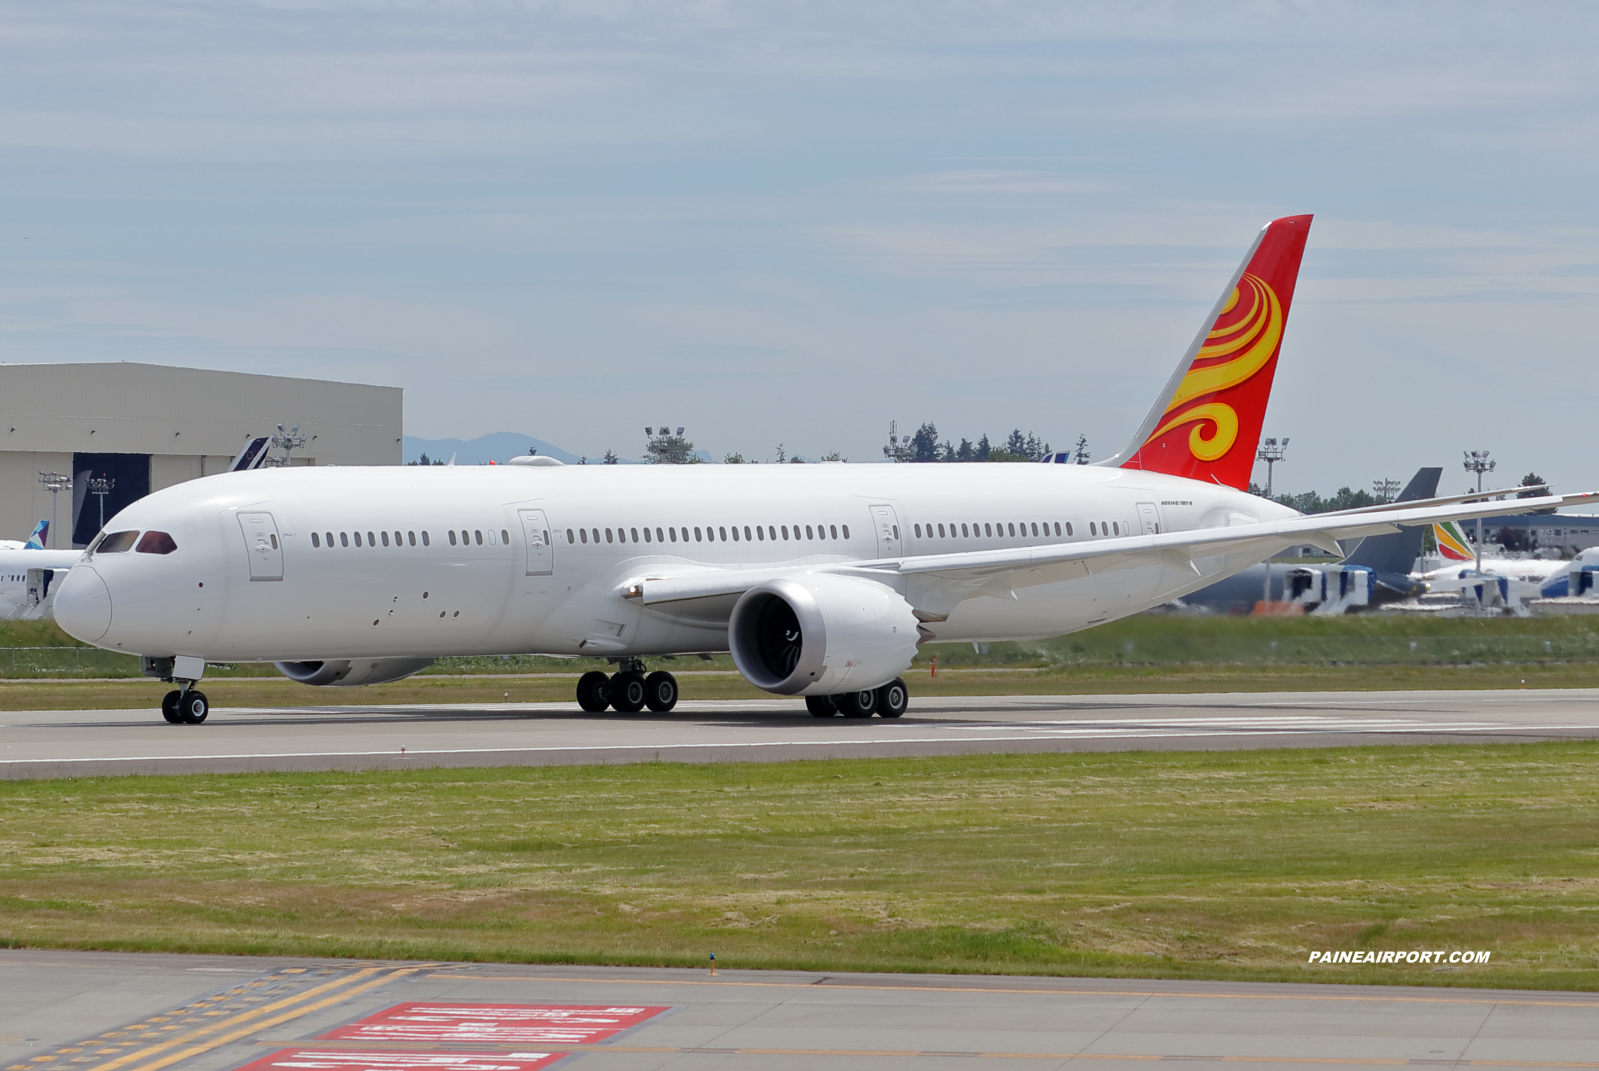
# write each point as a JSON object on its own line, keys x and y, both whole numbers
{"x": 893, "y": 698}
{"x": 860, "y": 704}
{"x": 169, "y": 707}
{"x": 821, "y": 706}
{"x": 627, "y": 692}
{"x": 660, "y": 691}
{"x": 593, "y": 691}
{"x": 193, "y": 707}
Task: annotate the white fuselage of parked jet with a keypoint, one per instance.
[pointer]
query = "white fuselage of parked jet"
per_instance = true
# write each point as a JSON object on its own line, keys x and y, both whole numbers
{"x": 311, "y": 564}
{"x": 29, "y": 580}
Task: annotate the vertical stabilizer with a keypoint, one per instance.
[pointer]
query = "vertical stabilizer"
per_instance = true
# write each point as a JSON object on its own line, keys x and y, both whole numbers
{"x": 1452, "y": 543}
{"x": 1207, "y": 422}
{"x": 40, "y": 537}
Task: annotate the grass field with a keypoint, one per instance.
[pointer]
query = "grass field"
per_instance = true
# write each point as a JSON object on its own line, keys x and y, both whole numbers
{"x": 42, "y": 668}
{"x": 1193, "y": 865}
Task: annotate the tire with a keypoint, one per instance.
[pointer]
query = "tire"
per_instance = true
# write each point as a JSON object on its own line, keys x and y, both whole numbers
{"x": 821, "y": 706}
{"x": 893, "y": 698}
{"x": 660, "y": 691}
{"x": 862, "y": 704}
{"x": 593, "y": 691}
{"x": 169, "y": 707}
{"x": 194, "y": 707}
{"x": 627, "y": 692}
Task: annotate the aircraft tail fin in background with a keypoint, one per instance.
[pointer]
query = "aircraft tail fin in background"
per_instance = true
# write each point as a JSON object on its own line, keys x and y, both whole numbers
{"x": 1207, "y": 422}
{"x": 40, "y": 537}
{"x": 1453, "y": 545}
{"x": 1396, "y": 553}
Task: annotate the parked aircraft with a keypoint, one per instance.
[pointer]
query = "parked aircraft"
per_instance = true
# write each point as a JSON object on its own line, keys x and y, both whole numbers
{"x": 821, "y": 580}
{"x": 37, "y": 541}
{"x": 1459, "y": 556}
{"x": 30, "y": 575}
{"x": 1390, "y": 559}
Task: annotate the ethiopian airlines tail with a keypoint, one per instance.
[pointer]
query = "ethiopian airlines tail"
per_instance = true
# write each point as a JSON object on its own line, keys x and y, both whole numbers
{"x": 1206, "y": 423}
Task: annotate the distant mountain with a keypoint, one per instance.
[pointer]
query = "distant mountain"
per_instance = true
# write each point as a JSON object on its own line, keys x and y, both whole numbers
{"x": 500, "y": 447}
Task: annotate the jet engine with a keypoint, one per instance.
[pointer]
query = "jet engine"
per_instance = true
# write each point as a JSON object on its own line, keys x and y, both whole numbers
{"x": 821, "y": 634}
{"x": 352, "y": 672}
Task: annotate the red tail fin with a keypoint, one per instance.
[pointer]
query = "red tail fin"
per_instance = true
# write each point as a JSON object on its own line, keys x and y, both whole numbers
{"x": 1207, "y": 424}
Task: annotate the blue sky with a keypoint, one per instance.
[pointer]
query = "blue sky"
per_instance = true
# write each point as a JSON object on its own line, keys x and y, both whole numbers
{"x": 793, "y": 222}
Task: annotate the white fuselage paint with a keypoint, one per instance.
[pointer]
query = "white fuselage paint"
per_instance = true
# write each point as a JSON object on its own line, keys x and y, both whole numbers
{"x": 349, "y": 601}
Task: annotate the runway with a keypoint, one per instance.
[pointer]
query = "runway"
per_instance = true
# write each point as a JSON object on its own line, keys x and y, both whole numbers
{"x": 37, "y": 744}
{"x": 131, "y": 1012}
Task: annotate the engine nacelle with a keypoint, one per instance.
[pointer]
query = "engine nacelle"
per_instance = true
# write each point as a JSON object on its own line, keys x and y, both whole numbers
{"x": 821, "y": 634}
{"x": 352, "y": 672}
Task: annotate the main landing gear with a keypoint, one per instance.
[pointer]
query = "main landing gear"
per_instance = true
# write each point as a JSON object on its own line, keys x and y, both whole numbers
{"x": 889, "y": 701}
{"x": 628, "y": 690}
{"x": 187, "y": 706}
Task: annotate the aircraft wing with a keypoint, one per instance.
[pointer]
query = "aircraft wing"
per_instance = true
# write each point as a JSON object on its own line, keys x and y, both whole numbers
{"x": 936, "y": 583}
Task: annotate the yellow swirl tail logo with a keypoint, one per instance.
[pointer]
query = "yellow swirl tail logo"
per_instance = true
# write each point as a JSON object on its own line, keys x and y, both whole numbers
{"x": 1231, "y": 355}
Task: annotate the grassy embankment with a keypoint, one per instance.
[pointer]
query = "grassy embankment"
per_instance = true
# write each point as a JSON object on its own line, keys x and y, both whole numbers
{"x": 1194, "y": 865}
{"x": 1140, "y": 654}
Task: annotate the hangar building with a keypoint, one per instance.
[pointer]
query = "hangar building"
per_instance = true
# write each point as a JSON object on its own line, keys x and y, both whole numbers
{"x": 142, "y": 427}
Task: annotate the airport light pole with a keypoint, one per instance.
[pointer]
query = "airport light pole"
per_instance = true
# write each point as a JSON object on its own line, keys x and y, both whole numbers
{"x": 100, "y": 486}
{"x": 287, "y": 441}
{"x": 1477, "y": 461}
{"x": 1271, "y": 451}
{"x": 1386, "y": 489}
{"x": 56, "y": 482}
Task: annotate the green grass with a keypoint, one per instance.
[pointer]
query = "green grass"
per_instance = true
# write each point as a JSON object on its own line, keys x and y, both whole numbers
{"x": 1187, "y": 865}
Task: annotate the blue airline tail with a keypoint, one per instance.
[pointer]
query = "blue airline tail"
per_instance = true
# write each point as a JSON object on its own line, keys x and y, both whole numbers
{"x": 40, "y": 537}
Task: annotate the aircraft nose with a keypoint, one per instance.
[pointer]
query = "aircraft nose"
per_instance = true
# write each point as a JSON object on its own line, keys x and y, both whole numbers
{"x": 83, "y": 605}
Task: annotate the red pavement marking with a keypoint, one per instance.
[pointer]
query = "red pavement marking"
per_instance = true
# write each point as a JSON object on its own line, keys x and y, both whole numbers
{"x": 315, "y": 1060}
{"x": 554, "y": 1024}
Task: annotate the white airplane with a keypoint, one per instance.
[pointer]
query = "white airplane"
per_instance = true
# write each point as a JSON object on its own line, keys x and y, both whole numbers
{"x": 820, "y": 579}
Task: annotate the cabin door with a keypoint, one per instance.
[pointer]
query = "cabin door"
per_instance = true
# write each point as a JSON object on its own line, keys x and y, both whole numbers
{"x": 540, "y": 551}
{"x": 262, "y": 544}
{"x": 885, "y": 522}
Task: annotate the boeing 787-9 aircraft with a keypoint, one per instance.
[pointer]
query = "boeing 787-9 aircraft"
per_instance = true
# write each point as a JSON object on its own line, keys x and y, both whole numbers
{"x": 820, "y": 579}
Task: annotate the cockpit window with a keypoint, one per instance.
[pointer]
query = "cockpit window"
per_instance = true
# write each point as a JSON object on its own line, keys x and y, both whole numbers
{"x": 156, "y": 543}
{"x": 117, "y": 543}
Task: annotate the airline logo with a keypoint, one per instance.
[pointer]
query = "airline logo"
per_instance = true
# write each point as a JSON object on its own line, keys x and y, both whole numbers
{"x": 1452, "y": 544}
{"x": 1244, "y": 341}
{"x": 1212, "y": 422}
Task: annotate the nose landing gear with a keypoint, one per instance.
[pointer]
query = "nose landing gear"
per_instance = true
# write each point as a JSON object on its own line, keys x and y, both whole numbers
{"x": 627, "y": 691}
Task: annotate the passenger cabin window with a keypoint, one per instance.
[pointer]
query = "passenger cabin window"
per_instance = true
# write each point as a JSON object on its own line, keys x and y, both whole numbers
{"x": 505, "y": 537}
{"x": 117, "y": 543}
{"x": 452, "y": 537}
{"x": 385, "y": 539}
{"x": 358, "y": 539}
{"x": 316, "y": 540}
{"x": 329, "y": 538}
{"x": 156, "y": 543}
{"x": 344, "y": 540}
{"x": 479, "y": 538}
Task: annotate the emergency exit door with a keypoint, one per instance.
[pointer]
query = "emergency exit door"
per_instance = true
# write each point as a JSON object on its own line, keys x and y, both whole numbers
{"x": 262, "y": 544}
{"x": 540, "y": 552}
{"x": 1148, "y": 518}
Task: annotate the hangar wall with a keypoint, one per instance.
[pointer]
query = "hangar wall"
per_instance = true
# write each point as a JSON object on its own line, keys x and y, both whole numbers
{"x": 152, "y": 426}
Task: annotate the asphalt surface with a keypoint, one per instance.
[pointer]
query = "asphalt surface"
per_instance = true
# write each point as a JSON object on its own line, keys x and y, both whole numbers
{"x": 96, "y": 742}
{"x": 131, "y": 1012}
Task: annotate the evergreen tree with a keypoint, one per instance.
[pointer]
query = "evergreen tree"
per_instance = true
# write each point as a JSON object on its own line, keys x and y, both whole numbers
{"x": 924, "y": 444}
{"x": 610, "y": 458}
{"x": 966, "y": 452}
{"x": 1016, "y": 445}
{"x": 983, "y": 449}
{"x": 733, "y": 459}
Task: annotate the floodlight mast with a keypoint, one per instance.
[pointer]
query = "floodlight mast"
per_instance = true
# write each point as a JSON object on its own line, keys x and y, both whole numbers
{"x": 1477, "y": 461}
{"x": 1271, "y": 451}
{"x": 287, "y": 441}
{"x": 1386, "y": 489}
{"x": 100, "y": 486}
{"x": 56, "y": 483}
